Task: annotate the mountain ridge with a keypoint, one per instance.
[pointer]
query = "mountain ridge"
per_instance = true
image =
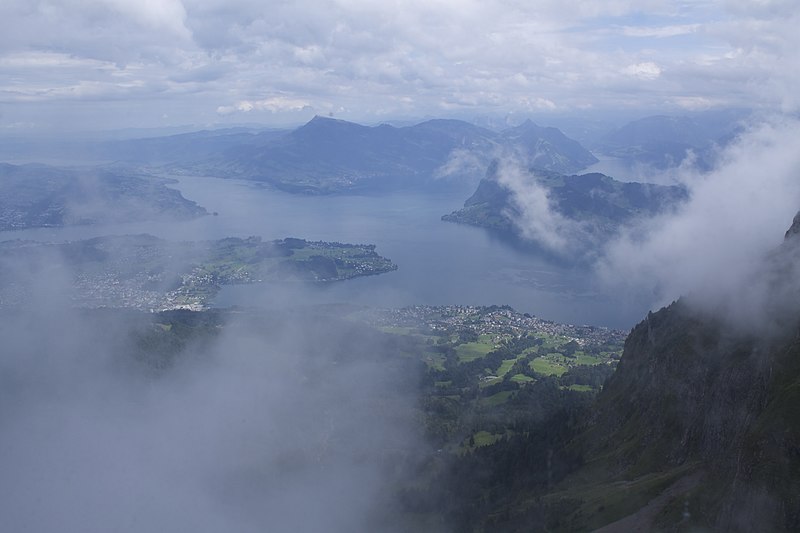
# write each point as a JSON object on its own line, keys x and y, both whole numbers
{"x": 706, "y": 409}
{"x": 330, "y": 155}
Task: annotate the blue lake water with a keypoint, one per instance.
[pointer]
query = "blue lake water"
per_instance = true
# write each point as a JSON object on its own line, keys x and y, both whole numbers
{"x": 439, "y": 262}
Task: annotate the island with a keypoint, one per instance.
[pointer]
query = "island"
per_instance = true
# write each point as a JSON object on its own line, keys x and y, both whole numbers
{"x": 146, "y": 272}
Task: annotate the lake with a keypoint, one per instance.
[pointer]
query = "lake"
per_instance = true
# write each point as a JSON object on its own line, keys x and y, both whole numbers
{"x": 439, "y": 262}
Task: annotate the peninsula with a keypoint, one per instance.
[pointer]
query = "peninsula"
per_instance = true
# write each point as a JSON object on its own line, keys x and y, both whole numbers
{"x": 145, "y": 272}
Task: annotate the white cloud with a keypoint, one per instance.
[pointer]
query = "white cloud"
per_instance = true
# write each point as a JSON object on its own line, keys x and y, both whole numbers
{"x": 34, "y": 59}
{"x": 275, "y": 104}
{"x": 695, "y": 103}
{"x": 645, "y": 71}
{"x": 532, "y": 212}
{"x": 660, "y": 31}
{"x": 162, "y": 15}
{"x": 497, "y": 56}
{"x": 714, "y": 246}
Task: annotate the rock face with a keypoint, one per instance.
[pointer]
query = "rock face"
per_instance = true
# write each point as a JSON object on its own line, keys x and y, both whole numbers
{"x": 795, "y": 229}
{"x": 700, "y": 406}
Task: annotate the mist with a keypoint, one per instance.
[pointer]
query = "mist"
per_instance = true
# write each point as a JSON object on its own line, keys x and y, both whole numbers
{"x": 533, "y": 213}
{"x": 714, "y": 248}
{"x": 719, "y": 247}
{"x": 290, "y": 421}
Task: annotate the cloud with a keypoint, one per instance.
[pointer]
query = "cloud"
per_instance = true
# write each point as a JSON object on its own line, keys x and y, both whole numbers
{"x": 500, "y": 56}
{"x": 462, "y": 163}
{"x": 660, "y": 31}
{"x": 645, "y": 71}
{"x": 159, "y": 15}
{"x": 714, "y": 247}
{"x": 290, "y": 423}
{"x": 275, "y": 104}
{"x": 533, "y": 213}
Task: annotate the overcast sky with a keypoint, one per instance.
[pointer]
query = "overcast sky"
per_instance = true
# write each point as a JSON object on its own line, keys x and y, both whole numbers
{"x": 67, "y": 64}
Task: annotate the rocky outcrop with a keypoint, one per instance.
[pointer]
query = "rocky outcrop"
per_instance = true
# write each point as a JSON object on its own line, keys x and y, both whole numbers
{"x": 693, "y": 398}
{"x": 795, "y": 229}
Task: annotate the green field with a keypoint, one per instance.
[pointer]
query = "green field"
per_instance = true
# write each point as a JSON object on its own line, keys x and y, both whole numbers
{"x": 497, "y": 399}
{"x": 484, "y": 438}
{"x": 546, "y": 366}
{"x": 434, "y": 360}
{"x": 505, "y": 367}
{"x": 588, "y": 360}
{"x": 473, "y": 350}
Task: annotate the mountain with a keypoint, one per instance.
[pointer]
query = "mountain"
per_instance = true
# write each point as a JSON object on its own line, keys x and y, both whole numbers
{"x": 794, "y": 229}
{"x": 699, "y": 427}
{"x": 327, "y": 155}
{"x": 548, "y": 148}
{"x": 179, "y": 148}
{"x": 185, "y": 148}
{"x": 41, "y": 196}
{"x": 597, "y": 203}
{"x": 663, "y": 141}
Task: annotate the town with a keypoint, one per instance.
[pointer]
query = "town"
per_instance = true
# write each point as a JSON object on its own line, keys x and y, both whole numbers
{"x": 147, "y": 273}
{"x": 493, "y": 320}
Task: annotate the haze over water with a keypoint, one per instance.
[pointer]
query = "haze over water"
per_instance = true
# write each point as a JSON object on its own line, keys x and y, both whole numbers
{"x": 439, "y": 263}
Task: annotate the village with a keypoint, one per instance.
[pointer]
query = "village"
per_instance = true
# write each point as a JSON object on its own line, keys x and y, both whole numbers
{"x": 491, "y": 320}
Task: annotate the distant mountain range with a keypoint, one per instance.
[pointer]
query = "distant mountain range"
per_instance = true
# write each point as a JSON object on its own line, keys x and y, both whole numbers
{"x": 43, "y": 196}
{"x": 663, "y": 141}
{"x": 327, "y": 155}
{"x": 597, "y": 204}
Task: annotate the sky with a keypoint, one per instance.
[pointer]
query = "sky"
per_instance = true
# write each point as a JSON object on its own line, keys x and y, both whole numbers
{"x": 111, "y": 64}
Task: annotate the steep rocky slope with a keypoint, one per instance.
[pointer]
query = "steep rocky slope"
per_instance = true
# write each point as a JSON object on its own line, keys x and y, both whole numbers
{"x": 699, "y": 427}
